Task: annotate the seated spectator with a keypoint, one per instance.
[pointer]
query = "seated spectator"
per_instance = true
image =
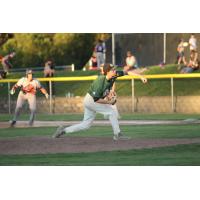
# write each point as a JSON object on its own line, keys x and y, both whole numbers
{"x": 192, "y": 65}
{"x": 131, "y": 62}
{"x": 93, "y": 62}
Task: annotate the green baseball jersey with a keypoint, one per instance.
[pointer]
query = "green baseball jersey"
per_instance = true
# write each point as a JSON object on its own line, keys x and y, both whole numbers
{"x": 101, "y": 86}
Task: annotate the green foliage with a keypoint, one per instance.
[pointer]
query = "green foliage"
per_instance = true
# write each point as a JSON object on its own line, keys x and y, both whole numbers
{"x": 73, "y": 48}
{"x": 33, "y": 49}
{"x": 4, "y": 37}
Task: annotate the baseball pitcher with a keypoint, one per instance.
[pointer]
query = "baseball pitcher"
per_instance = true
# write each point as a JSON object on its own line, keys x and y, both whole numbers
{"x": 28, "y": 87}
{"x": 99, "y": 100}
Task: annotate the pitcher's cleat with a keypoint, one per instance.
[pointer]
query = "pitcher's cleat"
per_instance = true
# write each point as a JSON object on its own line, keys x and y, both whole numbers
{"x": 121, "y": 136}
{"x": 12, "y": 124}
{"x": 60, "y": 131}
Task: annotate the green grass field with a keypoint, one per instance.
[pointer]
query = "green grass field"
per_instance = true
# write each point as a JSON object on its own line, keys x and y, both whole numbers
{"x": 145, "y": 131}
{"x": 179, "y": 155}
{"x": 133, "y": 116}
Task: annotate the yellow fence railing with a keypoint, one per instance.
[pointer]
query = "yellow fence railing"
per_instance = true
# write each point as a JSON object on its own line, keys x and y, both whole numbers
{"x": 88, "y": 78}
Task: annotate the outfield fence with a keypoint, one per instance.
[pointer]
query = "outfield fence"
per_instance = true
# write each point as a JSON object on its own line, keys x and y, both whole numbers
{"x": 73, "y": 102}
{"x": 39, "y": 69}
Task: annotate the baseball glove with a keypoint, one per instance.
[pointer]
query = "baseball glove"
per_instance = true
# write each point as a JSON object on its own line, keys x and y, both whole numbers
{"x": 111, "y": 98}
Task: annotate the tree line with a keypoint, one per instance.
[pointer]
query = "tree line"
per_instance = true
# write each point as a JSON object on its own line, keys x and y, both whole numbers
{"x": 33, "y": 49}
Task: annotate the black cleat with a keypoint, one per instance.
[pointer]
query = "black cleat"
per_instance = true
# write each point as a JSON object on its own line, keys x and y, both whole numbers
{"x": 12, "y": 124}
{"x": 60, "y": 131}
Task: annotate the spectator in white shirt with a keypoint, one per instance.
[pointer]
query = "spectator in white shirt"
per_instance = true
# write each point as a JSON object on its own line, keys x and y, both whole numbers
{"x": 131, "y": 62}
{"x": 193, "y": 43}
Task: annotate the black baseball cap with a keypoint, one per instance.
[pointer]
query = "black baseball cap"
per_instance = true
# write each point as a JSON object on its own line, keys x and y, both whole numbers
{"x": 107, "y": 67}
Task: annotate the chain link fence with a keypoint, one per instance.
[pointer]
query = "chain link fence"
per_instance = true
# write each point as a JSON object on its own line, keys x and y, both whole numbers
{"x": 160, "y": 95}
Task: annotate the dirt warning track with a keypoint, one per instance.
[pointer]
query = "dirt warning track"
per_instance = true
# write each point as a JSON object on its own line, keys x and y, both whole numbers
{"x": 102, "y": 123}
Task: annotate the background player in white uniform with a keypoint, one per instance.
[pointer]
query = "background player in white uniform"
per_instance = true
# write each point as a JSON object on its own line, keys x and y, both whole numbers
{"x": 28, "y": 90}
{"x": 95, "y": 102}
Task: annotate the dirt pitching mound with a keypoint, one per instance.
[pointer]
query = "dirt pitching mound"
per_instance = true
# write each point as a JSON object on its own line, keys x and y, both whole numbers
{"x": 45, "y": 145}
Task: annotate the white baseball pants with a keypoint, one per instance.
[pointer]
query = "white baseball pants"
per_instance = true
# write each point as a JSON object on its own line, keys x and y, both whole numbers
{"x": 100, "y": 59}
{"x": 31, "y": 98}
{"x": 90, "y": 110}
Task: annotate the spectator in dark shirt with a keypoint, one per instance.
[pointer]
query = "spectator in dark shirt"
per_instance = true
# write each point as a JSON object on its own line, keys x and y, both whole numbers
{"x": 5, "y": 61}
{"x": 2, "y": 74}
{"x": 180, "y": 50}
{"x": 100, "y": 50}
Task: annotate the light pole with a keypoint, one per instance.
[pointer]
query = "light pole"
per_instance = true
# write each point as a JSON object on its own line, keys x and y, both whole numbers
{"x": 113, "y": 48}
{"x": 164, "y": 47}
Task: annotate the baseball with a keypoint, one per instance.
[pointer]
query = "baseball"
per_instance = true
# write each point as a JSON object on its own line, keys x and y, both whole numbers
{"x": 185, "y": 44}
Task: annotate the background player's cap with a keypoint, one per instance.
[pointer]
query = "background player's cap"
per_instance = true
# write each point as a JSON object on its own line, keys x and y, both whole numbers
{"x": 29, "y": 71}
